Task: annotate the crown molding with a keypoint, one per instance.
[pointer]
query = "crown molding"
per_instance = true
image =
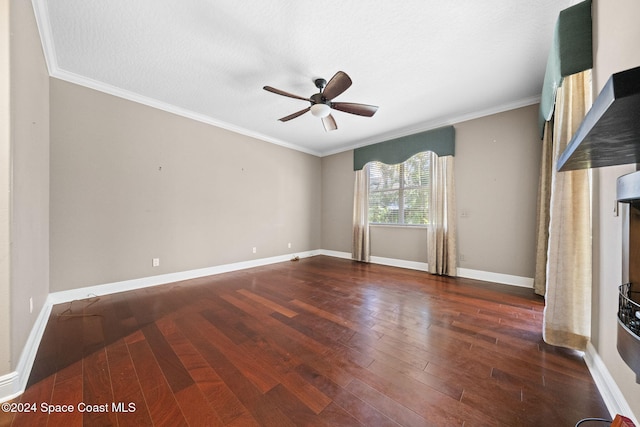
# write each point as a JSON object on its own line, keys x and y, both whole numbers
{"x": 46, "y": 35}
{"x": 41, "y": 12}
{"x": 434, "y": 124}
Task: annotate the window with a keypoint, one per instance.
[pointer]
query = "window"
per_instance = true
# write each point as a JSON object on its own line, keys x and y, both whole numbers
{"x": 398, "y": 194}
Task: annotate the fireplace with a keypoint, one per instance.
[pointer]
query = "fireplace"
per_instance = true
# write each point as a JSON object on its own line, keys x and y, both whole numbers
{"x": 610, "y": 135}
{"x": 628, "y": 192}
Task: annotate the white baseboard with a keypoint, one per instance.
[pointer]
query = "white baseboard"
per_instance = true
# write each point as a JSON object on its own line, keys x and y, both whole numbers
{"x": 393, "y": 262}
{"x": 127, "y": 285}
{"x": 609, "y": 390}
{"x": 9, "y": 386}
{"x": 144, "y": 282}
{"x": 335, "y": 254}
{"x": 14, "y": 383}
{"x": 487, "y": 276}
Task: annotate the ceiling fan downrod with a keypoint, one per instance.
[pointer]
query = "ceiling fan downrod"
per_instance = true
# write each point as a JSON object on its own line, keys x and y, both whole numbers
{"x": 320, "y": 83}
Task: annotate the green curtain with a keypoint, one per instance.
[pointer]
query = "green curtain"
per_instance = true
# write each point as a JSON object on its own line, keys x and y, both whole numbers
{"x": 440, "y": 141}
{"x": 571, "y": 53}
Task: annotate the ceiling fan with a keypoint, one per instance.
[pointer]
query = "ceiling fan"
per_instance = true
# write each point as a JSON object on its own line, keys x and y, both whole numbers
{"x": 321, "y": 103}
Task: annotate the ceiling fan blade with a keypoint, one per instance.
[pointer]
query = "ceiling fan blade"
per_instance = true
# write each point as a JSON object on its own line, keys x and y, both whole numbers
{"x": 283, "y": 93}
{"x": 294, "y": 115}
{"x": 359, "y": 109}
{"x": 338, "y": 84}
{"x": 329, "y": 123}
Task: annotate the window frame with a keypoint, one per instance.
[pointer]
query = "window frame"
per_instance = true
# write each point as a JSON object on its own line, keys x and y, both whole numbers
{"x": 402, "y": 188}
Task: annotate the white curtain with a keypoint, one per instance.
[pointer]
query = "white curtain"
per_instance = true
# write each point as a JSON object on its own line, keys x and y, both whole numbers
{"x": 544, "y": 199}
{"x": 567, "y": 313}
{"x": 441, "y": 230}
{"x": 360, "y": 243}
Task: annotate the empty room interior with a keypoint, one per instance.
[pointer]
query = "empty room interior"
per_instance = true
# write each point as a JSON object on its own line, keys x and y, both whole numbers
{"x": 284, "y": 213}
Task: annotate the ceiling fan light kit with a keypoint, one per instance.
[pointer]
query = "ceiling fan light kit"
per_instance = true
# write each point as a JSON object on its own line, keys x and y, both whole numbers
{"x": 321, "y": 104}
{"x": 320, "y": 110}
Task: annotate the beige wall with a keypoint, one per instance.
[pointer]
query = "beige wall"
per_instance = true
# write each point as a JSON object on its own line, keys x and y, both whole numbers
{"x": 616, "y": 37}
{"x": 130, "y": 183}
{"x": 30, "y": 176}
{"x": 497, "y": 173}
{"x": 337, "y": 201}
{"x": 5, "y": 167}
{"x": 113, "y": 208}
{"x": 497, "y": 167}
{"x": 405, "y": 243}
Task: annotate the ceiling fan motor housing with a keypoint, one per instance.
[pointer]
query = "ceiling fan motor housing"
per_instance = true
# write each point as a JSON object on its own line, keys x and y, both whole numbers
{"x": 317, "y": 98}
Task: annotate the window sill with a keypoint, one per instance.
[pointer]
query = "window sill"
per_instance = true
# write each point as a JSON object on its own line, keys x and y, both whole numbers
{"x": 405, "y": 226}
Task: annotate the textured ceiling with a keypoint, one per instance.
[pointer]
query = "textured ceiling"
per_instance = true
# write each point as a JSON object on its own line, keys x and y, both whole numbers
{"x": 425, "y": 63}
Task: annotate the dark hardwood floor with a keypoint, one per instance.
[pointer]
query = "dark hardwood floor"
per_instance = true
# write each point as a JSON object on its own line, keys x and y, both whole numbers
{"x": 321, "y": 341}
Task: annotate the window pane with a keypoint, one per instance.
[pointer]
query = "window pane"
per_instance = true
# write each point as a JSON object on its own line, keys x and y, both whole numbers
{"x": 383, "y": 207}
{"x": 384, "y": 177}
{"x": 417, "y": 171}
{"x": 415, "y": 206}
{"x": 398, "y": 193}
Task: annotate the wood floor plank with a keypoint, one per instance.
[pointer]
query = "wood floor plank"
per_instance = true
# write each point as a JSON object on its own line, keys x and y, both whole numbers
{"x": 40, "y": 392}
{"x": 173, "y": 370}
{"x": 298, "y": 347}
{"x": 268, "y": 303}
{"x": 196, "y": 408}
{"x": 280, "y": 366}
{"x": 126, "y": 387}
{"x": 327, "y": 315}
{"x": 226, "y": 405}
{"x": 219, "y": 317}
{"x": 389, "y": 407}
{"x": 322, "y": 341}
{"x": 97, "y": 392}
{"x": 363, "y": 412}
{"x": 7, "y": 416}
{"x": 295, "y": 342}
{"x": 297, "y": 411}
{"x": 436, "y": 407}
{"x": 245, "y": 390}
{"x": 447, "y": 388}
{"x": 249, "y": 366}
{"x": 162, "y": 405}
{"x": 47, "y": 360}
{"x": 372, "y": 347}
{"x": 314, "y": 399}
{"x": 123, "y": 374}
{"x": 67, "y": 393}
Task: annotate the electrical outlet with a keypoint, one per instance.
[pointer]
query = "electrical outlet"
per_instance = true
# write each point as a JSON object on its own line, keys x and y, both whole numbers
{"x": 31, "y": 305}
{"x": 462, "y": 257}
{"x": 155, "y": 262}
{"x": 289, "y": 245}
{"x": 255, "y": 250}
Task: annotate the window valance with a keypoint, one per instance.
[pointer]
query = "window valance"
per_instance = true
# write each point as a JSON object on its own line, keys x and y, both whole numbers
{"x": 441, "y": 141}
{"x": 571, "y": 52}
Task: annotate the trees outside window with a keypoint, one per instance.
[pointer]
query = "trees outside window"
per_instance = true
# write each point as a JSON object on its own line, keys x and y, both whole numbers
{"x": 398, "y": 194}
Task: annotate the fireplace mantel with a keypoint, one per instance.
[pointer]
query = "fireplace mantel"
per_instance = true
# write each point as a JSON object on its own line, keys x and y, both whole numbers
{"x": 609, "y": 135}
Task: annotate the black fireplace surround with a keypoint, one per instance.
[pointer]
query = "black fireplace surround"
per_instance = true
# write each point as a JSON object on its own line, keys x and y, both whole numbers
{"x": 628, "y": 193}
{"x": 610, "y": 135}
